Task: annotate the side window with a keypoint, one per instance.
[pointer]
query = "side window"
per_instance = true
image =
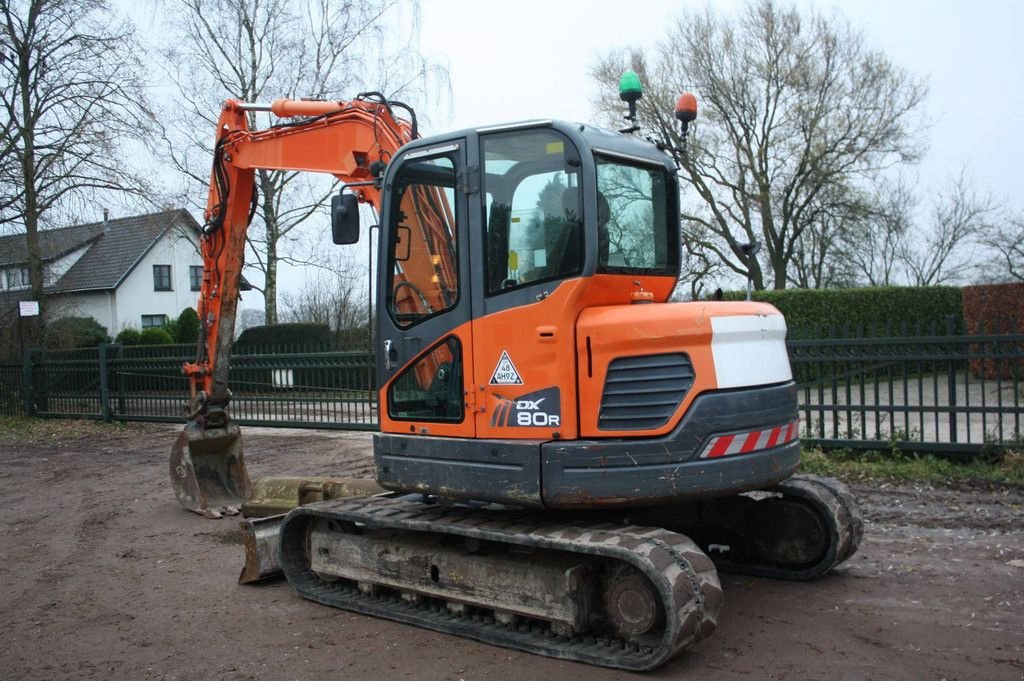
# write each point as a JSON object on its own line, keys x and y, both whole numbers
{"x": 161, "y": 277}
{"x": 430, "y": 389}
{"x": 195, "y": 277}
{"x": 533, "y": 210}
{"x": 634, "y": 233}
{"x": 423, "y": 259}
{"x": 152, "y": 320}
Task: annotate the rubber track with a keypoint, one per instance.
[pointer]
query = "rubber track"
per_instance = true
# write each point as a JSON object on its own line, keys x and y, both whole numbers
{"x": 684, "y": 576}
{"x": 841, "y": 515}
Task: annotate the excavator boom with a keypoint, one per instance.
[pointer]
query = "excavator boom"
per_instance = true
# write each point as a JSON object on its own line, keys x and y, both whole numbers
{"x": 352, "y": 141}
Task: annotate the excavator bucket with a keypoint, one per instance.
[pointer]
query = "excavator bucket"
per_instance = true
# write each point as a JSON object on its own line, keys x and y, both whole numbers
{"x": 208, "y": 470}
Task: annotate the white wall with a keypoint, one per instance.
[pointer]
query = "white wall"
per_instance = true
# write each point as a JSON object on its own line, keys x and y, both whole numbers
{"x": 136, "y": 297}
{"x": 98, "y": 305}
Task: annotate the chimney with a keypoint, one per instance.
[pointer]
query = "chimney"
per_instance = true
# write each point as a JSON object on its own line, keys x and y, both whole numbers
{"x": 106, "y": 214}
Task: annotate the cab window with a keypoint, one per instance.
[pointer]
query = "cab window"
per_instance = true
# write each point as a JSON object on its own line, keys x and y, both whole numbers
{"x": 636, "y": 233}
{"x": 423, "y": 250}
{"x": 533, "y": 209}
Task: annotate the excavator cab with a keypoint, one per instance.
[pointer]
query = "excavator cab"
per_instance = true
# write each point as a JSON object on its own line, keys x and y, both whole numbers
{"x": 540, "y": 257}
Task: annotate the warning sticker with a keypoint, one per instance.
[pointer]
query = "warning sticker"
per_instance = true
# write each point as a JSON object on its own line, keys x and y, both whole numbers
{"x": 505, "y": 373}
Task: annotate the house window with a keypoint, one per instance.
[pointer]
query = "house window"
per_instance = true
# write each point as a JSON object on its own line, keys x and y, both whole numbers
{"x": 195, "y": 277}
{"x": 17, "y": 277}
{"x": 161, "y": 277}
{"x": 151, "y": 320}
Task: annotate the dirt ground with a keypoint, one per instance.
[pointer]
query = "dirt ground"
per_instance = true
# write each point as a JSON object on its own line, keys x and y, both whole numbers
{"x": 104, "y": 576}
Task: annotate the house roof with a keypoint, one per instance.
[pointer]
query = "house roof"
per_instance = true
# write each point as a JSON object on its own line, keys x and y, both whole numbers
{"x": 115, "y": 247}
{"x": 53, "y": 243}
{"x": 119, "y": 248}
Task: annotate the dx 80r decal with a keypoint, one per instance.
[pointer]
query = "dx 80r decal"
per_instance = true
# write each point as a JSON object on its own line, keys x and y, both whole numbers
{"x": 541, "y": 408}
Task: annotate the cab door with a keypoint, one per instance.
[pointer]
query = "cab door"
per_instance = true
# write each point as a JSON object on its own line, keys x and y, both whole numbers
{"x": 424, "y": 340}
{"x": 526, "y": 283}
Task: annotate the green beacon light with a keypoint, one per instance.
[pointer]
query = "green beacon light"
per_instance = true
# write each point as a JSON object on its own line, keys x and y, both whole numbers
{"x": 630, "y": 91}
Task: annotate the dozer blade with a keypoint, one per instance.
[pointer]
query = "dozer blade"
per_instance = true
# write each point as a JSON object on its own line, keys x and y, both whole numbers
{"x": 260, "y": 536}
{"x": 208, "y": 470}
{"x": 274, "y": 496}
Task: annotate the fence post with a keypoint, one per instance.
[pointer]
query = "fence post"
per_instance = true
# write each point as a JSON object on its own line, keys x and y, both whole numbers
{"x": 104, "y": 384}
{"x": 119, "y": 386}
{"x": 951, "y": 379}
{"x": 28, "y": 402}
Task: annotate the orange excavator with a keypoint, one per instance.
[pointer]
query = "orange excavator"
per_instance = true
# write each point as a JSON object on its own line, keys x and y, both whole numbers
{"x": 569, "y": 457}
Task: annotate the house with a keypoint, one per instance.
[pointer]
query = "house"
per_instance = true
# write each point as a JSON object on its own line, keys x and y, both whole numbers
{"x": 135, "y": 272}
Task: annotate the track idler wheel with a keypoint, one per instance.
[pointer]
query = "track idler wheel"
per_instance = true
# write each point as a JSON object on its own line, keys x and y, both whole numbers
{"x": 633, "y": 607}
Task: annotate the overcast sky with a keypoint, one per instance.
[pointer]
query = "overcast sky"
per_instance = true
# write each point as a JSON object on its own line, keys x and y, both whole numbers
{"x": 531, "y": 59}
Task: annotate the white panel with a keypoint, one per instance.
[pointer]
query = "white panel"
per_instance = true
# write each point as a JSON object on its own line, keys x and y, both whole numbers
{"x": 750, "y": 350}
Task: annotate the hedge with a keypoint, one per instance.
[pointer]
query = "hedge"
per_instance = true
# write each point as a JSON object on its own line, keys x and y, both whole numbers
{"x": 304, "y": 337}
{"x": 888, "y": 310}
{"x": 187, "y": 330}
{"x": 75, "y": 332}
{"x": 995, "y": 309}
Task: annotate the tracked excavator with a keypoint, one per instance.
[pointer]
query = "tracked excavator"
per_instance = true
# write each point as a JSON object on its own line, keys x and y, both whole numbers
{"x": 569, "y": 457}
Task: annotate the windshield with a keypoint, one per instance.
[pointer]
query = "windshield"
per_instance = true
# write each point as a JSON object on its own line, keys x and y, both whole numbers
{"x": 533, "y": 209}
{"x": 635, "y": 232}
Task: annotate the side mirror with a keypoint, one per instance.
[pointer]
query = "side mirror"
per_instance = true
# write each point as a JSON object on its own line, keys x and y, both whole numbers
{"x": 345, "y": 219}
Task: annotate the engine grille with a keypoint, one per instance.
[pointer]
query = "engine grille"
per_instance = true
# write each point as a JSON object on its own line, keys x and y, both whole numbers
{"x": 641, "y": 393}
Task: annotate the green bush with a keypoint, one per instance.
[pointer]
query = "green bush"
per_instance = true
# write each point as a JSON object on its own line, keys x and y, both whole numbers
{"x": 303, "y": 337}
{"x": 75, "y": 332}
{"x": 156, "y": 335}
{"x": 171, "y": 327}
{"x": 883, "y": 310}
{"x": 188, "y": 326}
{"x": 128, "y": 336}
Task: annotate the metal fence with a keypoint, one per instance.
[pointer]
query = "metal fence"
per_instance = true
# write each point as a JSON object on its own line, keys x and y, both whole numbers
{"x": 11, "y": 379}
{"x": 936, "y": 393}
{"x": 954, "y": 394}
{"x": 140, "y": 383}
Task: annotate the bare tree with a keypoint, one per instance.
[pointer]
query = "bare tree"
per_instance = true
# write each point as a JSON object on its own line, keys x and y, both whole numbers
{"x": 698, "y": 268}
{"x": 337, "y": 298}
{"x": 257, "y": 50}
{"x": 943, "y": 252}
{"x": 797, "y": 112}
{"x": 821, "y": 257}
{"x": 71, "y": 95}
{"x": 1005, "y": 239}
{"x": 871, "y": 248}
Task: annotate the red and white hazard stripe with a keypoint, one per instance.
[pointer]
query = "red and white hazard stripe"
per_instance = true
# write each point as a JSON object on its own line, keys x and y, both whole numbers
{"x": 751, "y": 441}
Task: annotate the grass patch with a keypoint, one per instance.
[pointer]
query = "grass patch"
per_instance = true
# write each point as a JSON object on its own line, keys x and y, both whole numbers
{"x": 870, "y": 466}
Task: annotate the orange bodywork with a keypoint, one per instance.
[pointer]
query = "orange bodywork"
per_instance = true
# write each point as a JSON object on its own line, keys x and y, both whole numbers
{"x": 567, "y": 341}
